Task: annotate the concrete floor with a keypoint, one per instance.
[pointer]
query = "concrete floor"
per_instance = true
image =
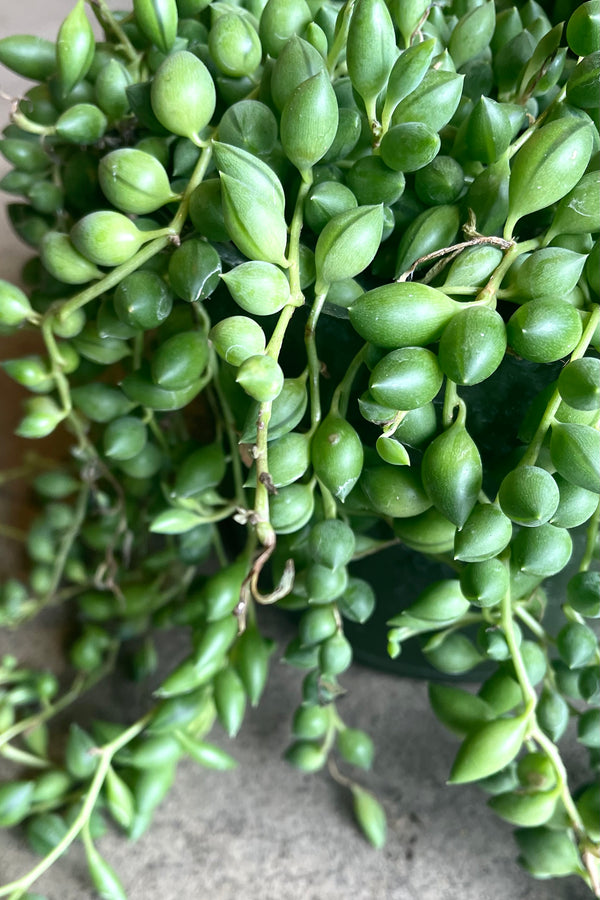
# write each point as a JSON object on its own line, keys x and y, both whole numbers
{"x": 265, "y": 831}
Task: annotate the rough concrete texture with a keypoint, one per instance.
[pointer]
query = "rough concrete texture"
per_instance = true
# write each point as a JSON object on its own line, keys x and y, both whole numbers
{"x": 265, "y": 831}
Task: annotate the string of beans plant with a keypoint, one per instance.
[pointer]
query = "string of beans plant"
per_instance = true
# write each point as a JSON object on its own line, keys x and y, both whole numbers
{"x": 313, "y": 280}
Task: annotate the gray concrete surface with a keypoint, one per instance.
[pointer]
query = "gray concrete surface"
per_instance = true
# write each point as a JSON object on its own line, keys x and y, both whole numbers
{"x": 265, "y": 831}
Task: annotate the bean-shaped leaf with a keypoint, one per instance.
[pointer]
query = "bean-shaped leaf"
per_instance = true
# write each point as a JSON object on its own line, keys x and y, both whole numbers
{"x": 348, "y": 244}
{"x": 472, "y": 33}
{"x": 157, "y": 19}
{"x": 488, "y": 749}
{"x": 370, "y": 49}
{"x": 255, "y": 226}
{"x": 370, "y": 815}
{"x": 309, "y": 121}
{"x": 74, "y": 48}
{"x": 402, "y": 314}
{"x": 452, "y": 473}
{"x": 547, "y": 167}
{"x": 104, "y": 877}
{"x": 407, "y": 73}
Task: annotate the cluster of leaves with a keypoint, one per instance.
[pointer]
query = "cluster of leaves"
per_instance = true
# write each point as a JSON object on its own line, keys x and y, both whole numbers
{"x": 313, "y": 280}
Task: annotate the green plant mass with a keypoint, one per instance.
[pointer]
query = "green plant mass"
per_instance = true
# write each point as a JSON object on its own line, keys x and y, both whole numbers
{"x": 312, "y": 281}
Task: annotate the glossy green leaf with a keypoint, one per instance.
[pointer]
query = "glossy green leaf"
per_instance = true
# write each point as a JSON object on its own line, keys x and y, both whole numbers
{"x": 74, "y": 48}
{"x": 488, "y": 749}
{"x": 309, "y": 121}
{"x": 370, "y": 49}
{"x": 547, "y": 167}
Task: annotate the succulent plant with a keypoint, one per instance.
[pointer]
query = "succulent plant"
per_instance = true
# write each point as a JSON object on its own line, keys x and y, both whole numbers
{"x": 313, "y": 281}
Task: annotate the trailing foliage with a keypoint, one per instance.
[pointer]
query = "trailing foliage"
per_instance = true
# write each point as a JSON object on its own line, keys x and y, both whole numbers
{"x": 312, "y": 280}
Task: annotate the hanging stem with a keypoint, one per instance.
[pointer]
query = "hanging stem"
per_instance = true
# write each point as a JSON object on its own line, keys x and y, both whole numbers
{"x": 16, "y": 888}
{"x": 110, "y": 23}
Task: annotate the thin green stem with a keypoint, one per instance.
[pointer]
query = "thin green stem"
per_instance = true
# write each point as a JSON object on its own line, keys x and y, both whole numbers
{"x": 196, "y": 178}
{"x": 341, "y": 395}
{"x": 25, "y": 124}
{"x": 67, "y": 542}
{"x": 109, "y": 23}
{"x": 229, "y": 421}
{"x": 553, "y": 754}
{"x": 264, "y": 531}
{"x": 23, "y": 758}
{"x": 533, "y": 625}
{"x": 451, "y": 401}
{"x": 489, "y": 292}
{"x": 508, "y": 627}
{"x": 105, "y": 753}
{"x": 314, "y": 366}
{"x": 590, "y": 541}
{"x": 61, "y": 382}
{"x": 113, "y": 278}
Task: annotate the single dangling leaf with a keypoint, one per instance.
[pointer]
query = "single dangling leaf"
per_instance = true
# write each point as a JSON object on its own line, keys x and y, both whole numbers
{"x": 205, "y": 754}
{"x": 347, "y": 244}
{"x": 119, "y": 799}
{"x": 452, "y": 473}
{"x": 579, "y": 211}
{"x": 472, "y": 345}
{"x": 442, "y": 601}
{"x": 260, "y": 288}
{"x": 194, "y": 270}
{"x": 457, "y": 709}
{"x": 370, "y": 49}
{"x": 403, "y": 314}
{"x": 104, "y": 877}
{"x": 251, "y": 660}
{"x": 548, "y": 853}
{"x": 550, "y": 271}
{"x": 547, "y": 167}
{"x": 183, "y": 94}
{"x": 28, "y": 56}
{"x": 370, "y": 815}
{"x": 488, "y": 130}
{"x": 74, "y": 48}
{"x": 309, "y": 121}
{"x": 472, "y": 33}
{"x": 583, "y": 28}
{"x": 407, "y": 74}
{"x": 433, "y": 102}
{"x": 297, "y": 62}
{"x": 230, "y": 700}
{"x": 279, "y": 21}
{"x": 251, "y": 171}
{"x": 255, "y": 226}
{"x": 337, "y": 455}
{"x": 527, "y": 809}
{"x": 15, "y": 802}
{"x": 488, "y": 749}
{"x": 157, "y": 19}
{"x": 134, "y": 181}
{"x": 408, "y": 15}
{"x": 575, "y": 451}
{"x": 407, "y": 378}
